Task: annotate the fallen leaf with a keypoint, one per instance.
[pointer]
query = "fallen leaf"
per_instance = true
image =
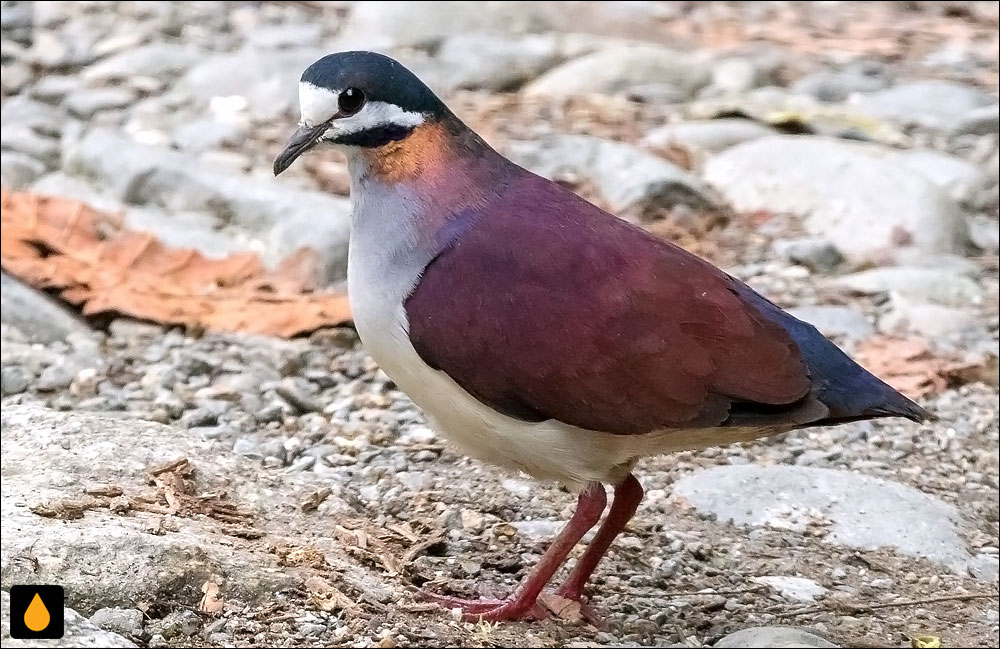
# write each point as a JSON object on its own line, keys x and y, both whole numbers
{"x": 213, "y": 601}
{"x": 925, "y": 642}
{"x": 93, "y": 262}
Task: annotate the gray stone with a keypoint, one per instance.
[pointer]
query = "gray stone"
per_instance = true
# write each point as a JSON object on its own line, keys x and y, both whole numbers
{"x": 50, "y": 456}
{"x": 26, "y": 141}
{"x": 17, "y": 20}
{"x": 206, "y": 414}
{"x": 491, "y": 61}
{"x": 205, "y": 134}
{"x": 381, "y": 25}
{"x": 859, "y": 197}
{"x": 268, "y": 80}
{"x": 736, "y": 75}
{"x": 616, "y": 70}
{"x": 123, "y": 621}
{"x": 18, "y": 171}
{"x": 984, "y": 233}
{"x": 706, "y": 136}
{"x": 933, "y": 103}
{"x": 537, "y": 530}
{"x": 772, "y": 637}
{"x": 16, "y": 379}
{"x": 907, "y": 315}
{"x": 979, "y": 121}
{"x": 38, "y": 317}
{"x": 838, "y": 322}
{"x": 22, "y": 112}
{"x": 627, "y": 177}
{"x": 279, "y": 217}
{"x": 66, "y": 186}
{"x": 78, "y": 631}
{"x": 58, "y": 50}
{"x": 818, "y": 255}
{"x": 938, "y": 285}
{"x": 248, "y": 447}
{"x": 15, "y": 77}
{"x": 196, "y": 230}
{"x": 52, "y": 88}
{"x": 86, "y": 103}
{"x": 57, "y": 376}
{"x": 985, "y": 567}
{"x": 286, "y": 36}
{"x": 157, "y": 60}
{"x": 863, "y": 512}
{"x": 950, "y": 173}
{"x": 836, "y": 86}
{"x": 796, "y": 589}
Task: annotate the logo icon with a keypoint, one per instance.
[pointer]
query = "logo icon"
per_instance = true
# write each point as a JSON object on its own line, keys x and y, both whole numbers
{"x": 36, "y": 612}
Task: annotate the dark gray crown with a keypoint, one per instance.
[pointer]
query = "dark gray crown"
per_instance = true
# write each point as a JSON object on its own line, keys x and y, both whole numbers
{"x": 378, "y": 76}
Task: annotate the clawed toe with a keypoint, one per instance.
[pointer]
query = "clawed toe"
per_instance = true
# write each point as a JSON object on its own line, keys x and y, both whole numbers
{"x": 489, "y": 610}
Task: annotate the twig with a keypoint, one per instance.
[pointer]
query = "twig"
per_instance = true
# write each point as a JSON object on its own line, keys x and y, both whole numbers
{"x": 854, "y": 608}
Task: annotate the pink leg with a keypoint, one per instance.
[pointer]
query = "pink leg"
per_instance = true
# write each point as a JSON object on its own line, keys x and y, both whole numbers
{"x": 522, "y": 603}
{"x": 628, "y": 494}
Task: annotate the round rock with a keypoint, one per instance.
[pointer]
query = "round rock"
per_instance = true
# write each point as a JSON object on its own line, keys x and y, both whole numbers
{"x": 776, "y": 637}
{"x": 859, "y": 197}
{"x": 864, "y": 512}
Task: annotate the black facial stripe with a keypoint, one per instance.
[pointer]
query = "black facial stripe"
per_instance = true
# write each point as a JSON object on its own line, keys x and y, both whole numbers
{"x": 374, "y": 137}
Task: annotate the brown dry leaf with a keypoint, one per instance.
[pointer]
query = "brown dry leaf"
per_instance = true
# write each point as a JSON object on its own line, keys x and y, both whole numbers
{"x": 98, "y": 265}
{"x": 213, "y": 601}
{"x": 907, "y": 364}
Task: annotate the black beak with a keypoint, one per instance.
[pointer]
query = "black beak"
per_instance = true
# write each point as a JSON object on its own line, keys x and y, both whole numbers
{"x": 301, "y": 141}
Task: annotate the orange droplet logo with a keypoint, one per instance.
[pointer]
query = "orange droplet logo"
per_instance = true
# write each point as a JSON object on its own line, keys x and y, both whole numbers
{"x": 36, "y": 617}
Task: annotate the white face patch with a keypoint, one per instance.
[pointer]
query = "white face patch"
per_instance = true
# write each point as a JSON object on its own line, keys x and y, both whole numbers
{"x": 318, "y": 105}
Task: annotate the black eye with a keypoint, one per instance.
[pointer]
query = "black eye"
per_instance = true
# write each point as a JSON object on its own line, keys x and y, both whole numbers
{"x": 351, "y": 101}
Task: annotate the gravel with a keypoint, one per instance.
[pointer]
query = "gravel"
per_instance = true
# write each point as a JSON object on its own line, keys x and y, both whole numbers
{"x": 172, "y": 113}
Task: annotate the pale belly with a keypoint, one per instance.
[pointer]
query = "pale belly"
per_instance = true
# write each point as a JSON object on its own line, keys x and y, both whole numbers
{"x": 547, "y": 450}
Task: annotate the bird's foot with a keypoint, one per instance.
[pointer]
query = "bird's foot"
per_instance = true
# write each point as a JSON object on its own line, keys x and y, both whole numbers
{"x": 512, "y": 609}
{"x": 568, "y": 609}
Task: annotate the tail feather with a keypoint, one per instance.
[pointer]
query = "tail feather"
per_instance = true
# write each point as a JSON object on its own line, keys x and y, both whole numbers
{"x": 849, "y": 391}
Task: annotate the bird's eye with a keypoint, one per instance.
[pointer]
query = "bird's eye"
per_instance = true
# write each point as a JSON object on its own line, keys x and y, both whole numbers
{"x": 350, "y": 101}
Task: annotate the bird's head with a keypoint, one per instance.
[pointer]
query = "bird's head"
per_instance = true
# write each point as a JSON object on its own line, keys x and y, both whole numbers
{"x": 359, "y": 101}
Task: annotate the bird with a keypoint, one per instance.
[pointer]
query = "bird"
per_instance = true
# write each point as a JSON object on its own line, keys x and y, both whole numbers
{"x": 541, "y": 334}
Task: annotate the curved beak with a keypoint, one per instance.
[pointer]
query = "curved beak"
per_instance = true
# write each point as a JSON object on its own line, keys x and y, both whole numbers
{"x": 302, "y": 140}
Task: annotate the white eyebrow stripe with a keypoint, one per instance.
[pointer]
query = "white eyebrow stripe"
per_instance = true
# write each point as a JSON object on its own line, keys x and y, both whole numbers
{"x": 316, "y": 104}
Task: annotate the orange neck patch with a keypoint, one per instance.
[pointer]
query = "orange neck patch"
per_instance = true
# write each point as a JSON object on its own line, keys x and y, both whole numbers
{"x": 423, "y": 153}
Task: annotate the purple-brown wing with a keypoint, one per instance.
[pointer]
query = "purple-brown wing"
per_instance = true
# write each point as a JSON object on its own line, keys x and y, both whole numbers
{"x": 545, "y": 307}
